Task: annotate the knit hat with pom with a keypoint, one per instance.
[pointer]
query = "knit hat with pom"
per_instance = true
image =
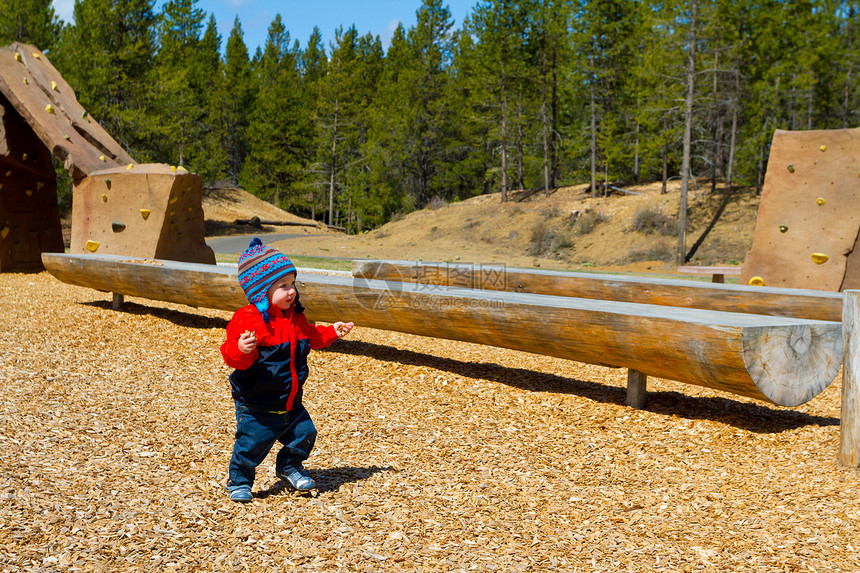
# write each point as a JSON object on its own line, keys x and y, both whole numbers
{"x": 259, "y": 267}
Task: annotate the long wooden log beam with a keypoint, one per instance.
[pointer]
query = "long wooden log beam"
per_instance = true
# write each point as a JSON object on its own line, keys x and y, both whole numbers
{"x": 786, "y": 361}
{"x": 811, "y": 304}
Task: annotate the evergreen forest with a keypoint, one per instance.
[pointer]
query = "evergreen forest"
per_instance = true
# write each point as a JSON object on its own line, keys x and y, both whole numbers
{"x": 524, "y": 94}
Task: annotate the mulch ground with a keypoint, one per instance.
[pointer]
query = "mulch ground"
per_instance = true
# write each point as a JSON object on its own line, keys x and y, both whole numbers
{"x": 116, "y": 429}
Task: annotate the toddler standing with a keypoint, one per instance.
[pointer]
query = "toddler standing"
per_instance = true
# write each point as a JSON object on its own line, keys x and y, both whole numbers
{"x": 268, "y": 343}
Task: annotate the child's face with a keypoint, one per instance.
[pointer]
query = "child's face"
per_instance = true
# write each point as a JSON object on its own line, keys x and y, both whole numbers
{"x": 283, "y": 292}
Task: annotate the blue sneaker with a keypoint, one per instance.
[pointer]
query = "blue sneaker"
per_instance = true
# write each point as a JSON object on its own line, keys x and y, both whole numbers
{"x": 241, "y": 494}
{"x": 298, "y": 479}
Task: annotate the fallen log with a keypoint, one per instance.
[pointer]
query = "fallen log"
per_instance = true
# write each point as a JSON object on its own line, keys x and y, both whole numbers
{"x": 255, "y": 222}
{"x": 786, "y": 361}
{"x": 811, "y": 304}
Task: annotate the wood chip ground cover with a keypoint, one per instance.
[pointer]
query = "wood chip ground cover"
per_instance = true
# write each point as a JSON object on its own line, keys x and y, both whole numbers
{"x": 116, "y": 430}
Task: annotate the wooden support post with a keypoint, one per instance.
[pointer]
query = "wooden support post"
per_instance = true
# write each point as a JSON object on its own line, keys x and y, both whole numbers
{"x": 849, "y": 424}
{"x": 118, "y": 299}
{"x": 636, "y": 391}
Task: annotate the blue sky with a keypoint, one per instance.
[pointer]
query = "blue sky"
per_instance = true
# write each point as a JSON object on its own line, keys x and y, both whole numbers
{"x": 379, "y": 17}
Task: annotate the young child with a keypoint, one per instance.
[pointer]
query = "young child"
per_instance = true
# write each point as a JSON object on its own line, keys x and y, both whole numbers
{"x": 268, "y": 343}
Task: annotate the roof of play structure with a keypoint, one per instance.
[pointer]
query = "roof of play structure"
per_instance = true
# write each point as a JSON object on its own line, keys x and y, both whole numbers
{"x": 48, "y": 104}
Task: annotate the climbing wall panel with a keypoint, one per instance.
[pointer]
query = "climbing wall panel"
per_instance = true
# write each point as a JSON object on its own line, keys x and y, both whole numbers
{"x": 29, "y": 218}
{"x": 809, "y": 216}
{"x": 141, "y": 210}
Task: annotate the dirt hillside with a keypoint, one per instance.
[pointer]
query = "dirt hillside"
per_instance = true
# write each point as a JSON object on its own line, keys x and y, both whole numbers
{"x": 567, "y": 230}
{"x": 222, "y": 206}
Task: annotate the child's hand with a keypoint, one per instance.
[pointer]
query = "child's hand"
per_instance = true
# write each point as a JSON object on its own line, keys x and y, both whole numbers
{"x": 343, "y": 328}
{"x": 247, "y": 342}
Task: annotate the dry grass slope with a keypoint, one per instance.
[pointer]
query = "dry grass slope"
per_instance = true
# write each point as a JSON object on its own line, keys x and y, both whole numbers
{"x": 567, "y": 230}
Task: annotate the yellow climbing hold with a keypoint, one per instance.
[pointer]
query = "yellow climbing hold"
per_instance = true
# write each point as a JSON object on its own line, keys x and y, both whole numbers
{"x": 54, "y": 85}
{"x": 29, "y": 192}
{"x": 791, "y": 168}
{"x": 820, "y": 201}
{"x": 50, "y": 109}
{"x": 17, "y": 57}
{"x": 37, "y": 55}
{"x": 182, "y": 169}
{"x": 173, "y": 168}
{"x": 39, "y": 185}
{"x": 26, "y": 81}
{"x": 23, "y": 157}
{"x": 104, "y": 197}
{"x": 145, "y": 214}
{"x": 823, "y": 148}
{"x": 92, "y": 246}
{"x": 819, "y": 258}
{"x": 4, "y": 232}
{"x": 101, "y": 157}
{"x": 756, "y": 281}
{"x": 173, "y": 199}
{"x": 129, "y": 166}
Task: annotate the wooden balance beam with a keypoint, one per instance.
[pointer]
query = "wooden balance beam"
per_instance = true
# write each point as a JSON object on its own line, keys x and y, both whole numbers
{"x": 786, "y": 361}
{"x": 811, "y": 304}
{"x": 718, "y": 274}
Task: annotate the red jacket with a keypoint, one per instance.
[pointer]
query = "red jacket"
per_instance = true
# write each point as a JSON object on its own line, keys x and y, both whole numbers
{"x": 272, "y": 375}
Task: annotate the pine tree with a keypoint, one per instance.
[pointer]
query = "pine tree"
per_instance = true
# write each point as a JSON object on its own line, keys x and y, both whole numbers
{"x": 31, "y": 22}
{"x": 180, "y": 79}
{"x": 500, "y": 27}
{"x": 280, "y": 131}
{"x": 236, "y": 94}
{"x": 551, "y": 40}
{"x": 107, "y": 56}
{"x": 210, "y": 161}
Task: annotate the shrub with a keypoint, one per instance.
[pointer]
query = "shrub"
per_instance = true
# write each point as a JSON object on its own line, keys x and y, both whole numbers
{"x": 653, "y": 220}
{"x": 657, "y": 252}
{"x": 545, "y": 241}
{"x": 435, "y": 202}
{"x": 587, "y": 221}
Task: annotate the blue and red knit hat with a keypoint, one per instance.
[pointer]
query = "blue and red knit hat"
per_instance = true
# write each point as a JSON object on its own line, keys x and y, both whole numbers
{"x": 259, "y": 267}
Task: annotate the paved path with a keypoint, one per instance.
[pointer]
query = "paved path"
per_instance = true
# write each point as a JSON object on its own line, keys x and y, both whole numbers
{"x": 233, "y": 244}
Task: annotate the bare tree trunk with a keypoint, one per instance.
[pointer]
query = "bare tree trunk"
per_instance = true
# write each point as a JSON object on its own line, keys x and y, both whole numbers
{"x": 545, "y": 135}
{"x": 593, "y": 132}
{"x": 793, "y": 102}
{"x": 734, "y": 134}
{"x": 520, "y": 152}
{"x": 553, "y": 172}
{"x": 636, "y": 156}
{"x": 504, "y": 142}
{"x": 716, "y": 125}
{"x": 331, "y": 185}
{"x": 846, "y": 101}
{"x": 688, "y": 129}
{"x": 847, "y": 97}
{"x": 665, "y": 168}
